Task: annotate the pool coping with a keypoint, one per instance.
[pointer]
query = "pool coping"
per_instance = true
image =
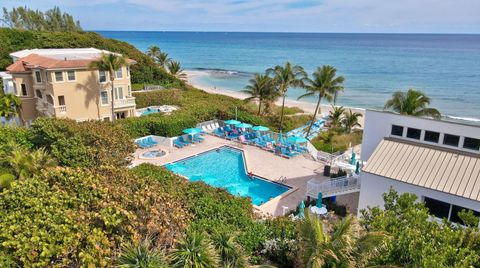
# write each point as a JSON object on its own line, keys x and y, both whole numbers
{"x": 278, "y": 197}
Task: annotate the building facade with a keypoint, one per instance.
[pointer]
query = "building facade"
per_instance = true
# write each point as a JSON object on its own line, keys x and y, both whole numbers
{"x": 438, "y": 161}
{"x": 59, "y": 83}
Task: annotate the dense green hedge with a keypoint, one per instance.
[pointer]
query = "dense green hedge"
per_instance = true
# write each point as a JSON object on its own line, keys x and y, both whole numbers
{"x": 86, "y": 144}
{"x": 145, "y": 71}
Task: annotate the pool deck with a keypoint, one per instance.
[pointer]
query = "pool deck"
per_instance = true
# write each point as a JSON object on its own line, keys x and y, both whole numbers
{"x": 298, "y": 170}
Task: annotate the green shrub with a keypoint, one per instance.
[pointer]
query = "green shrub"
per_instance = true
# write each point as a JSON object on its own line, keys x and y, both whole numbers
{"x": 85, "y": 144}
{"x": 73, "y": 217}
{"x": 19, "y": 135}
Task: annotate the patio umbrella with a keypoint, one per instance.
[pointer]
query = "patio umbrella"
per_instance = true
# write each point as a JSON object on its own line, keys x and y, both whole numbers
{"x": 352, "y": 162}
{"x": 319, "y": 200}
{"x": 243, "y": 125}
{"x": 301, "y": 210}
{"x": 232, "y": 122}
{"x": 260, "y": 128}
{"x": 192, "y": 131}
{"x": 357, "y": 168}
{"x": 297, "y": 139}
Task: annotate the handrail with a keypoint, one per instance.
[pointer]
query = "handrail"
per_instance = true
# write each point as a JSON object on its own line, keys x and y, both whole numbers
{"x": 333, "y": 186}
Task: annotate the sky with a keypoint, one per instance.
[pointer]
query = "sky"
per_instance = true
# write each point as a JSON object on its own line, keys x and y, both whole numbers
{"x": 351, "y": 16}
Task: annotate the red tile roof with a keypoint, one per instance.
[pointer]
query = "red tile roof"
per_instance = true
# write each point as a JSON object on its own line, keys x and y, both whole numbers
{"x": 37, "y": 61}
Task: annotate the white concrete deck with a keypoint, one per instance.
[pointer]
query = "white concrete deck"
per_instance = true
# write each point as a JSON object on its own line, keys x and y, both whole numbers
{"x": 297, "y": 170}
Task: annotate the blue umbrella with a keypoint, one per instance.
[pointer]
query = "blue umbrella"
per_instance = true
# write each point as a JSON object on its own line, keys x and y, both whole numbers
{"x": 243, "y": 125}
{"x": 260, "y": 128}
{"x": 352, "y": 162}
{"x": 232, "y": 122}
{"x": 301, "y": 210}
{"x": 192, "y": 131}
{"x": 296, "y": 139}
{"x": 319, "y": 200}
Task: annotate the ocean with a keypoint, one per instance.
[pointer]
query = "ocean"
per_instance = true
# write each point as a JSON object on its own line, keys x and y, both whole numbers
{"x": 445, "y": 66}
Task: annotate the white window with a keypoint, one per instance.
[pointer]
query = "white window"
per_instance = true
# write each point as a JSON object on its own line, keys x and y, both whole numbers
{"x": 39, "y": 94}
{"x": 71, "y": 75}
{"x": 61, "y": 100}
{"x": 118, "y": 93}
{"x": 59, "y": 76}
{"x": 118, "y": 73}
{"x": 128, "y": 71}
{"x": 104, "y": 97}
{"x": 38, "y": 77}
{"x": 24, "y": 90}
{"x": 102, "y": 76}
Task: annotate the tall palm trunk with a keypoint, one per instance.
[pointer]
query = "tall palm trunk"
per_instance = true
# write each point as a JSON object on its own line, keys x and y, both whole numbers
{"x": 259, "y": 105}
{"x": 314, "y": 115}
{"x": 281, "y": 116}
{"x": 113, "y": 101}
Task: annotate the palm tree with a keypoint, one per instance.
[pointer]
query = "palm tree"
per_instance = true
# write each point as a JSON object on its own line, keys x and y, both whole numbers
{"x": 142, "y": 255}
{"x": 194, "y": 250}
{"x": 261, "y": 88}
{"x": 413, "y": 102}
{"x": 109, "y": 63}
{"x": 9, "y": 106}
{"x": 335, "y": 115}
{"x": 231, "y": 254}
{"x": 350, "y": 120}
{"x": 325, "y": 84}
{"x": 285, "y": 77}
{"x": 175, "y": 69}
{"x": 153, "y": 51}
{"x": 23, "y": 163}
{"x": 162, "y": 59}
{"x": 344, "y": 245}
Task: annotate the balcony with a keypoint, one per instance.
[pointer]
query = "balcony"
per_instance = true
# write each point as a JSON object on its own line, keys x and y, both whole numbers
{"x": 61, "y": 109}
{"x": 127, "y": 102}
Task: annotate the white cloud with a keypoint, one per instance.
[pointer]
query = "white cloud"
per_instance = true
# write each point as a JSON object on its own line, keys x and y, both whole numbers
{"x": 274, "y": 15}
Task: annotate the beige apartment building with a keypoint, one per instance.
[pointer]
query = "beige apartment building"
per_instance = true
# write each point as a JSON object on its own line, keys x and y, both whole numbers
{"x": 58, "y": 83}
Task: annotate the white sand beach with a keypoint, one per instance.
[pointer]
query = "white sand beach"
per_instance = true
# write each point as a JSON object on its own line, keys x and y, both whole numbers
{"x": 308, "y": 107}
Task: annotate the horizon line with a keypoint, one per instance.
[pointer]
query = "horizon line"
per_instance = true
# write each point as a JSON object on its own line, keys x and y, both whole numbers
{"x": 288, "y": 32}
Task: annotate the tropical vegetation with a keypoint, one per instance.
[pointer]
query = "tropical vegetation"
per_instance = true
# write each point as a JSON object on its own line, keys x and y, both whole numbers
{"x": 285, "y": 77}
{"x": 53, "y": 20}
{"x": 175, "y": 69}
{"x": 325, "y": 84}
{"x": 9, "y": 106}
{"x": 262, "y": 89}
{"x": 110, "y": 63}
{"x": 413, "y": 102}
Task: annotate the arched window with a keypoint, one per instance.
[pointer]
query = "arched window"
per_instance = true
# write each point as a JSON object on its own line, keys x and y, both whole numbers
{"x": 39, "y": 94}
{"x": 49, "y": 99}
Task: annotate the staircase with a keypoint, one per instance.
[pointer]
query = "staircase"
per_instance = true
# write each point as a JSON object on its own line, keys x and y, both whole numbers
{"x": 333, "y": 187}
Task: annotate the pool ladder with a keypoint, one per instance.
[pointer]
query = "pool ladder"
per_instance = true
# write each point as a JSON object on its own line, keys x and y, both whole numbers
{"x": 281, "y": 179}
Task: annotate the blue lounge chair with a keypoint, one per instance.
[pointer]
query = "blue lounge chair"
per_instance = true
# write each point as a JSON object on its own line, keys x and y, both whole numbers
{"x": 142, "y": 144}
{"x": 181, "y": 139}
{"x": 298, "y": 149}
{"x": 178, "y": 143}
{"x": 219, "y": 132}
{"x": 151, "y": 141}
{"x": 197, "y": 136}
{"x": 287, "y": 153}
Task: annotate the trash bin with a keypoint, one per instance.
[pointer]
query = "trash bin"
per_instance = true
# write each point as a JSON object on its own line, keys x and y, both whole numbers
{"x": 326, "y": 171}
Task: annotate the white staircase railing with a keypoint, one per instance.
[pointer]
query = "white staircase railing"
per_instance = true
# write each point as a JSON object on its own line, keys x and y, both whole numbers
{"x": 337, "y": 186}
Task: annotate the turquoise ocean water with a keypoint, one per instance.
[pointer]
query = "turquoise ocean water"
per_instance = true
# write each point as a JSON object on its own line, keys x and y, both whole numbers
{"x": 446, "y": 67}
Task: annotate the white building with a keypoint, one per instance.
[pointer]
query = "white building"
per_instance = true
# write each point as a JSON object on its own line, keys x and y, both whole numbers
{"x": 8, "y": 88}
{"x": 439, "y": 161}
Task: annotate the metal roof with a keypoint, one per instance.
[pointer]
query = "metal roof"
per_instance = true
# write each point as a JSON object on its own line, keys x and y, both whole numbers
{"x": 450, "y": 171}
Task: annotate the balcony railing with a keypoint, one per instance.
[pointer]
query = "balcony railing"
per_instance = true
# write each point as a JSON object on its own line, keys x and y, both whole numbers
{"x": 61, "y": 109}
{"x": 127, "y": 102}
{"x": 333, "y": 187}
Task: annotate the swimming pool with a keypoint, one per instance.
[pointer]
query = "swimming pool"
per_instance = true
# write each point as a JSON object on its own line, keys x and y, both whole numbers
{"x": 225, "y": 168}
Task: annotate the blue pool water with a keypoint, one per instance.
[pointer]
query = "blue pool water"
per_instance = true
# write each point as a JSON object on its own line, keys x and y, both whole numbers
{"x": 150, "y": 111}
{"x": 225, "y": 168}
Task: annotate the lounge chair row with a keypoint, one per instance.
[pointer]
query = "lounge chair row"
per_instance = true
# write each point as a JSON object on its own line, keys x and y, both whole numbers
{"x": 181, "y": 141}
{"x": 211, "y": 127}
{"x": 281, "y": 146}
{"x": 147, "y": 142}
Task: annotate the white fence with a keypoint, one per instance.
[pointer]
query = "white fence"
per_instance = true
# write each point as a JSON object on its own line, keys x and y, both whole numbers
{"x": 336, "y": 186}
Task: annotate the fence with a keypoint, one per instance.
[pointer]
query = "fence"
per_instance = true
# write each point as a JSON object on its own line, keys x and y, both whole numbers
{"x": 338, "y": 186}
